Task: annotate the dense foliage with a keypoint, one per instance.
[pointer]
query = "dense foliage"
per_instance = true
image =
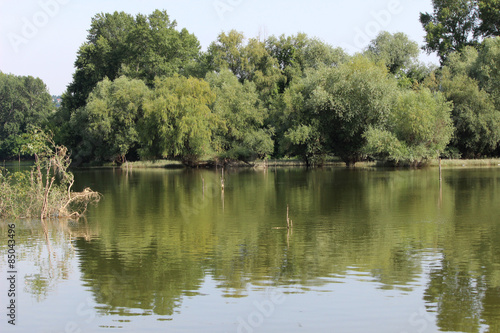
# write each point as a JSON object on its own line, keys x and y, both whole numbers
{"x": 24, "y": 102}
{"x": 455, "y": 24}
{"x": 417, "y": 130}
{"x": 143, "y": 89}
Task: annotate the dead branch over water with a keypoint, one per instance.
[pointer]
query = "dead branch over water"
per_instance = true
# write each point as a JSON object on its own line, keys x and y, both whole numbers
{"x": 45, "y": 190}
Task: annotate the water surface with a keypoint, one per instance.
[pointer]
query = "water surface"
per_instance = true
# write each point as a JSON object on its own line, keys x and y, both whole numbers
{"x": 168, "y": 251}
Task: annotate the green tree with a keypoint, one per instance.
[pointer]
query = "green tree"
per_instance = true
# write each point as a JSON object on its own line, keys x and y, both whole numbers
{"x": 330, "y": 108}
{"x": 451, "y": 26}
{"x": 297, "y": 53}
{"x": 302, "y": 136}
{"x": 24, "y": 102}
{"x": 490, "y": 20}
{"x": 396, "y": 51}
{"x": 419, "y": 128}
{"x": 113, "y": 110}
{"x": 482, "y": 64}
{"x": 470, "y": 81}
{"x": 305, "y": 142}
{"x": 102, "y": 55}
{"x": 228, "y": 53}
{"x": 262, "y": 69}
{"x": 474, "y": 115}
{"x": 455, "y": 24}
{"x": 487, "y": 68}
{"x": 241, "y": 134}
{"x": 156, "y": 48}
{"x": 142, "y": 47}
{"x": 296, "y": 56}
{"x": 347, "y": 100}
{"x": 464, "y": 62}
{"x": 247, "y": 60}
{"x": 178, "y": 122}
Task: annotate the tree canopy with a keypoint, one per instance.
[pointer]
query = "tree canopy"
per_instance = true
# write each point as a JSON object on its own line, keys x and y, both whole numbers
{"x": 118, "y": 44}
{"x": 177, "y": 121}
{"x": 419, "y": 128}
{"x": 455, "y": 24}
{"x": 339, "y": 105}
{"x": 24, "y": 102}
{"x": 470, "y": 81}
{"x": 240, "y": 134}
{"x": 143, "y": 89}
{"x": 113, "y": 110}
{"x": 396, "y": 51}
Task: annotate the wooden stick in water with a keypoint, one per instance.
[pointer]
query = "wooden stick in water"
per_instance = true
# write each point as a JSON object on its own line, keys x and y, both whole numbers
{"x": 287, "y": 218}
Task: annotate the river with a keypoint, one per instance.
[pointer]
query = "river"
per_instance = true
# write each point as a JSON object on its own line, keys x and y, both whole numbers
{"x": 363, "y": 250}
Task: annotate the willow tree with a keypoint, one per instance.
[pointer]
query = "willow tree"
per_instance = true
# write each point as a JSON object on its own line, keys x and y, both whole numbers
{"x": 341, "y": 103}
{"x": 241, "y": 134}
{"x": 476, "y": 119}
{"x": 178, "y": 122}
{"x": 112, "y": 112}
{"x": 419, "y": 129}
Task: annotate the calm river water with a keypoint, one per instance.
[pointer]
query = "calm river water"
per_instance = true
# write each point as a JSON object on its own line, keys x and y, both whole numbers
{"x": 167, "y": 251}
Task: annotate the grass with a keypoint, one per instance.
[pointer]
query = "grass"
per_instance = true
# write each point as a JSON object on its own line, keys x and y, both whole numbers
{"x": 158, "y": 164}
{"x": 153, "y": 164}
{"x": 329, "y": 162}
{"x": 487, "y": 162}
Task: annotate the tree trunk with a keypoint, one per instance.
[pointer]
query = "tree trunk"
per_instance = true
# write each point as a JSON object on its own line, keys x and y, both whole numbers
{"x": 351, "y": 160}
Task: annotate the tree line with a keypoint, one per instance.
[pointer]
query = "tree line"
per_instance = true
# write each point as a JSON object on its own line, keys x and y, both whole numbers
{"x": 143, "y": 89}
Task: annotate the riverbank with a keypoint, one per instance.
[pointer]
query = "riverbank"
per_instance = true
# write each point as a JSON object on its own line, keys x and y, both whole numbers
{"x": 172, "y": 164}
{"x": 280, "y": 163}
{"x": 488, "y": 162}
{"x": 256, "y": 164}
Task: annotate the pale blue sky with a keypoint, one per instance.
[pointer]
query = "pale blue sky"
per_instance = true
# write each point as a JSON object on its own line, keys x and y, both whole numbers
{"x": 41, "y": 37}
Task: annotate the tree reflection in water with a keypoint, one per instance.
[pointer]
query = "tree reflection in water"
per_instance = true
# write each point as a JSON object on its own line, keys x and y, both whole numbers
{"x": 140, "y": 255}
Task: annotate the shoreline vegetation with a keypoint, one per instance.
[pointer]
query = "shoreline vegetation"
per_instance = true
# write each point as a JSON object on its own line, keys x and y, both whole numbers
{"x": 281, "y": 163}
{"x": 487, "y": 162}
{"x": 270, "y": 163}
{"x": 45, "y": 189}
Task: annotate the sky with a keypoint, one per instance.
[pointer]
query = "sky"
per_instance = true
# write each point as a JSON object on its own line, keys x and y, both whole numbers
{"x": 41, "y": 37}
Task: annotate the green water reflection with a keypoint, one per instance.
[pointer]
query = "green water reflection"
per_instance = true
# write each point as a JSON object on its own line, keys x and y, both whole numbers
{"x": 158, "y": 234}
